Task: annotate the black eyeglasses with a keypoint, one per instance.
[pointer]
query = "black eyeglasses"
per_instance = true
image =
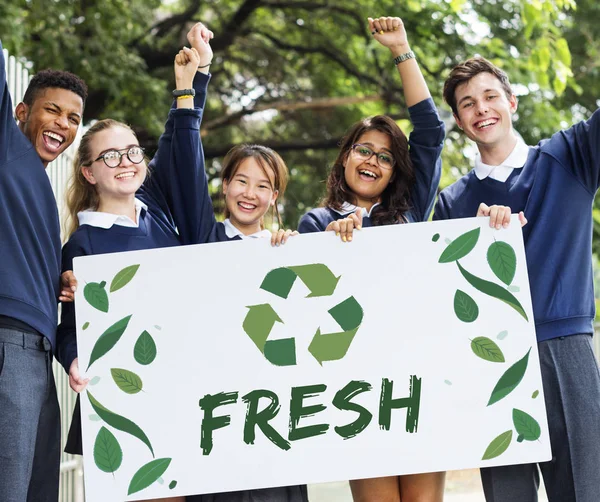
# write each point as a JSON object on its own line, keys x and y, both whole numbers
{"x": 113, "y": 158}
{"x": 363, "y": 152}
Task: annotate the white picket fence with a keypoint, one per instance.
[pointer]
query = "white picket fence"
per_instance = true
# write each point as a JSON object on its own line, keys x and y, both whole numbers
{"x": 71, "y": 473}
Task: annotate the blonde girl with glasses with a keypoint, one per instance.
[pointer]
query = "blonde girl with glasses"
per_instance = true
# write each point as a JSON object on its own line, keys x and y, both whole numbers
{"x": 381, "y": 178}
{"x": 116, "y": 202}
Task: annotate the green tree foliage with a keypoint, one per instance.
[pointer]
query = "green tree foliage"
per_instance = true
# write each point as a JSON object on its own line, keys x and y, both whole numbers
{"x": 295, "y": 74}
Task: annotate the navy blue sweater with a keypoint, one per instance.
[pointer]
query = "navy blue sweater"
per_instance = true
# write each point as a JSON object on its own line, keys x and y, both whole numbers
{"x": 425, "y": 147}
{"x": 29, "y": 228}
{"x": 556, "y": 190}
{"x": 168, "y": 194}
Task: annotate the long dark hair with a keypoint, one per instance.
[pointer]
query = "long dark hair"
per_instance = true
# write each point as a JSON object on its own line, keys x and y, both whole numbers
{"x": 395, "y": 199}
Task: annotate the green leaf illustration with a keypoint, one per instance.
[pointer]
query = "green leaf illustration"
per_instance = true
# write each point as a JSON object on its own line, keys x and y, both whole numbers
{"x": 172, "y": 484}
{"x": 465, "y": 307}
{"x": 108, "y": 339}
{"x": 108, "y": 454}
{"x": 502, "y": 335}
{"x": 127, "y": 381}
{"x": 526, "y": 426}
{"x": 85, "y": 326}
{"x": 96, "y": 296}
{"x": 123, "y": 277}
{"x": 503, "y": 261}
{"x": 498, "y": 446}
{"x": 535, "y": 394}
{"x": 493, "y": 290}
{"x": 94, "y": 418}
{"x": 514, "y": 289}
{"x": 435, "y": 238}
{"x": 148, "y": 474}
{"x": 460, "y": 247}
{"x": 119, "y": 422}
{"x": 94, "y": 380}
{"x": 144, "y": 350}
{"x": 487, "y": 349}
{"x": 509, "y": 380}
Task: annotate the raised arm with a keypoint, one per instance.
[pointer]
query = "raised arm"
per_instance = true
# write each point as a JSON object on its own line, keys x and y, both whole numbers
{"x": 427, "y": 138}
{"x": 178, "y": 179}
{"x": 8, "y": 127}
{"x": 390, "y": 32}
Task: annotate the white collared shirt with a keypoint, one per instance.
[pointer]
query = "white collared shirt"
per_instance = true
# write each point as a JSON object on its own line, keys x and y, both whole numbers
{"x": 106, "y": 220}
{"x": 232, "y": 231}
{"x": 501, "y": 172}
{"x": 348, "y": 208}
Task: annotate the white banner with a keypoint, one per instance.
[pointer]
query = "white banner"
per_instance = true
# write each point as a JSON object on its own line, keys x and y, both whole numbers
{"x": 236, "y": 365}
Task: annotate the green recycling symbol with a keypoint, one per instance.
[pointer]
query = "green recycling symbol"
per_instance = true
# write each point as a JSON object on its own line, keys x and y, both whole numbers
{"x": 317, "y": 277}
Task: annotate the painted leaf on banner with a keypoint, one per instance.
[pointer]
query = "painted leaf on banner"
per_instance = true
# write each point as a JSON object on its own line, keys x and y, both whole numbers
{"x": 96, "y": 295}
{"x": 108, "y": 339}
{"x": 503, "y": 261}
{"x": 127, "y": 381}
{"x": 123, "y": 277}
{"x": 119, "y": 422}
{"x": 144, "y": 351}
{"x": 108, "y": 454}
{"x": 148, "y": 474}
{"x": 498, "y": 446}
{"x": 510, "y": 379}
{"x": 487, "y": 349}
{"x": 526, "y": 426}
{"x": 460, "y": 247}
{"x": 465, "y": 307}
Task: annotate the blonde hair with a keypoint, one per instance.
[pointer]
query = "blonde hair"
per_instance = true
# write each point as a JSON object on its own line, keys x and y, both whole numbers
{"x": 81, "y": 194}
{"x": 266, "y": 159}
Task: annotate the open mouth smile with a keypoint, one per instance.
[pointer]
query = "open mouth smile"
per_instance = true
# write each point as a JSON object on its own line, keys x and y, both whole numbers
{"x": 52, "y": 140}
{"x": 484, "y": 124}
{"x": 367, "y": 175}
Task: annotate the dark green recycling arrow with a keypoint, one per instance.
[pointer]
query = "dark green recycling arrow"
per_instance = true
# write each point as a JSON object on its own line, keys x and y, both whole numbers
{"x": 317, "y": 277}
{"x": 333, "y": 346}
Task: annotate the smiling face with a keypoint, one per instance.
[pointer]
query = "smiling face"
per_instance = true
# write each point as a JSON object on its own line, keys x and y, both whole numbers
{"x": 484, "y": 112}
{"x": 366, "y": 178}
{"x": 118, "y": 182}
{"x": 248, "y": 195}
{"x": 51, "y": 121}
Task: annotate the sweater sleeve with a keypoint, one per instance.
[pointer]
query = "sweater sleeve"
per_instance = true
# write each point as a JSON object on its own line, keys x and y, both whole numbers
{"x": 310, "y": 223}
{"x": 440, "y": 212}
{"x": 581, "y": 154}
{"x": 425, "y": 148}
{"x": 180, "y": 180}
{"x": 66, "y": 340}
{"x": 8, "y": 127}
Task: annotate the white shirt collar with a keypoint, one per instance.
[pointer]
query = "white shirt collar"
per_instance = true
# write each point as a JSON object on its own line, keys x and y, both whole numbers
{"x": 232, "y": 231}
{"x": 515, "y": 160}
{"x": 348, "y": 208}
{"x": 107, "y": 220}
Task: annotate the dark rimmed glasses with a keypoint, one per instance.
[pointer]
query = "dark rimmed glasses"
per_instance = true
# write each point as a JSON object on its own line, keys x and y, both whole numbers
{"x": 113, "y": 158}
{"x": 364, "y": 153}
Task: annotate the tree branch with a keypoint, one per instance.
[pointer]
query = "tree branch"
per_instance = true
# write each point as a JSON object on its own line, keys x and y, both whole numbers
{"x": 315, "y": 104}
{"x": 341, "y": 61}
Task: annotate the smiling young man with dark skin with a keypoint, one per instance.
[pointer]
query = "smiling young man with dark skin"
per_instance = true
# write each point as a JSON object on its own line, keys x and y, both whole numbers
{"x": 554, "y": 183}
{"x": 47, "y": 123}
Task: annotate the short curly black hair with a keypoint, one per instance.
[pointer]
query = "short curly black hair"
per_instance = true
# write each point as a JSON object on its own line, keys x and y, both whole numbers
{"x": 47, "y": 79}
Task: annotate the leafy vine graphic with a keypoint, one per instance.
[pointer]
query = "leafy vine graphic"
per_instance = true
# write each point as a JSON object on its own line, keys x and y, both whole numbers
{"x": 317, "y": 277}
{"x": 108, "y": 454}
{"x": 502, "y": 261}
